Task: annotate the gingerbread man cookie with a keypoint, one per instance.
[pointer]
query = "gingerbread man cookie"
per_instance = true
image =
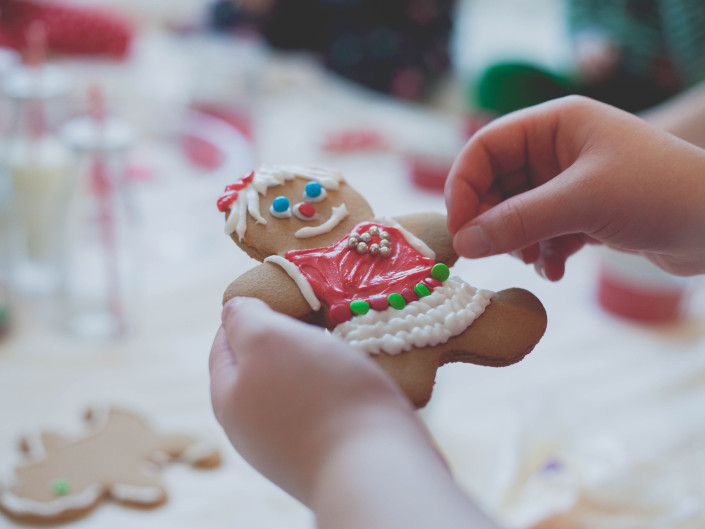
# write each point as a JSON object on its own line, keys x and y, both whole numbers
{"x": 382, "y": 285}
{"x": 66, "y": 478}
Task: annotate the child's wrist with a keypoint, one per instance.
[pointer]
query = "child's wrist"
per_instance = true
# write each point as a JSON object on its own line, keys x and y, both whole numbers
{"x": 373, "y": 425}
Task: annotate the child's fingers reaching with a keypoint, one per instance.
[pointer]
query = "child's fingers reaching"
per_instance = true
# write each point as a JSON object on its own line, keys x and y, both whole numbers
{"x": 527, "y": 255}
{"x": 531, "y": 253}
{"x": 509, "y": 156}
{"x": 539, "y": 214}
{"x": 554, "y": 253}
{"x": 577, "y": 166}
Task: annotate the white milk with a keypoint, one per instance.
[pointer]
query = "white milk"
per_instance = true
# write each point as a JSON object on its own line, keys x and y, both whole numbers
{"x": 40, "y": 174}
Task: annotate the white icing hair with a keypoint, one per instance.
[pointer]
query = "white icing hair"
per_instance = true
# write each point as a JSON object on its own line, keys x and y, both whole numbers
{"x": 271, "y": 176}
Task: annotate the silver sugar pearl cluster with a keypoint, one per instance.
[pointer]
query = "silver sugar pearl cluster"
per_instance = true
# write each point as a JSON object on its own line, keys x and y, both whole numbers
{"x": 363, "y": 244}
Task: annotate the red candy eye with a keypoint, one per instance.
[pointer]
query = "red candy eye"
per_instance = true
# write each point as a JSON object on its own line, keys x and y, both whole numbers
{"x": 304, "y": 211}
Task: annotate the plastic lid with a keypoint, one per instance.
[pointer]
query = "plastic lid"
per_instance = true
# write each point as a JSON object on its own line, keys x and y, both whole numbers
{"x": 27, "y": 82}
{"x": 88, "y": 134}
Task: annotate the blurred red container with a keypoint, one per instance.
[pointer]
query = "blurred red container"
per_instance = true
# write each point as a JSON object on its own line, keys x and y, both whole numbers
{"x": 632, "y": 287}
{"x": 428, "y": 171}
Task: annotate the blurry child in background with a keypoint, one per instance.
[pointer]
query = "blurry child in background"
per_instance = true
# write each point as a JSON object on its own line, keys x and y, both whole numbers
{"x": 632, "y": 54}
{"x": 398, "y": 47}
{"x": 327, "y": 425}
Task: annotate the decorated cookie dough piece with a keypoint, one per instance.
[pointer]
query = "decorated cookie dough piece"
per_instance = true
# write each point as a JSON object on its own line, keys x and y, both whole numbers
{"x": 382, "y": 285}
{"x": 118, "y": 458}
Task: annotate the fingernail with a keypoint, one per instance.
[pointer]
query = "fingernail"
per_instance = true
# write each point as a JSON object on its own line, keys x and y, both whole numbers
{"x": 539, "y": 269}
{"x": 472, "y": 242}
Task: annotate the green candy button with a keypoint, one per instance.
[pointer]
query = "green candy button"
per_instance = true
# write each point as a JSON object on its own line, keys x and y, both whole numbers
{"x": 359, "y": 307}
{"x": 396, "y": 301}
{"x": 440, "y": 272}
{"x": 422, "y": 290}
{"x": 61, "y": 487}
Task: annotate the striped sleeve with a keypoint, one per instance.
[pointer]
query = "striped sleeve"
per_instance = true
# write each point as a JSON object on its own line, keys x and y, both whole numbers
{"x": 683, "y": 23}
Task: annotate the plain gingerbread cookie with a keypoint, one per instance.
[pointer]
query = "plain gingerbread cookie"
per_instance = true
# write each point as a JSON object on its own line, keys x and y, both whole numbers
{"x": 382, "y": 285}
{"x": 118, "y": 458}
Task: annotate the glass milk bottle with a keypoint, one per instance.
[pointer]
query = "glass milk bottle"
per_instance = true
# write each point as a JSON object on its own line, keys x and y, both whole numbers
{"x": 5, "y": 301}
{"x": 8, "y": 61}
{"x": 39, "y": 168}
{"x": 98, "y": 272}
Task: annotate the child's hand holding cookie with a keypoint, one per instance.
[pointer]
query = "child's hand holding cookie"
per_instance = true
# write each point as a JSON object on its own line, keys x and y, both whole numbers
{"x": 323, "y": 421}
{"x": 287, "y": 394}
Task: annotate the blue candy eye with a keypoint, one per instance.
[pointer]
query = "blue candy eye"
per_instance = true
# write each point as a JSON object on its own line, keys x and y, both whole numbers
{"x": 314, "y": 192}
{"x": 281, "y": 207}
{"x": 280, "y": 204}
{"x": 313, "y": 189}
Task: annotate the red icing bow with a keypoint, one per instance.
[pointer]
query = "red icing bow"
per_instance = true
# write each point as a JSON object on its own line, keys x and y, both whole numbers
{"x": 231, "y": 191}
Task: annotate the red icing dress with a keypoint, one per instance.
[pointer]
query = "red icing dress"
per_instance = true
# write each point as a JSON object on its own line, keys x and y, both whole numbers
{"x": 339, "y": 275}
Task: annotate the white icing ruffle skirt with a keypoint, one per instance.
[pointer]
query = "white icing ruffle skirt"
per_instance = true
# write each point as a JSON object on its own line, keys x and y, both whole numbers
{"x": 434, "y": 319}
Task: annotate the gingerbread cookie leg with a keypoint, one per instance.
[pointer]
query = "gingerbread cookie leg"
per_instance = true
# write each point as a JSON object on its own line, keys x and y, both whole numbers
{"x": 504, "y": 334}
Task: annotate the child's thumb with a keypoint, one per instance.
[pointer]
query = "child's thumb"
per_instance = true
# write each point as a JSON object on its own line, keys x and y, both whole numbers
{"x": 245, "y": 320}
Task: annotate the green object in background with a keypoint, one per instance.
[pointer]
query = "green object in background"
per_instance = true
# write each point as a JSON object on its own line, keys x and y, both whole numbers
{"x": 510, "y": 86}
{"x": 5, "y": 317}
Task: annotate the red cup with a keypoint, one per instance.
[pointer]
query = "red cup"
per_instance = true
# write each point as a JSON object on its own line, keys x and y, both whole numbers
{"x": 631, "y": 287}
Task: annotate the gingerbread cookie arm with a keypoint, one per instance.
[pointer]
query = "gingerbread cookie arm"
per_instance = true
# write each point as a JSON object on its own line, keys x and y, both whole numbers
{"x": 46, "y": 442}
{"x": 137, "y": 488}
{"x": 431, "y": 228}
{"x": 271, "y": 283}
{"x": 189, "y": 450}
{"x": 509, "y": 328}
{"x": 505, "y": 333}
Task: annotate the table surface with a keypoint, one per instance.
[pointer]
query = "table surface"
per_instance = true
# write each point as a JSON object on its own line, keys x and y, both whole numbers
{"x": 603, "y": 421}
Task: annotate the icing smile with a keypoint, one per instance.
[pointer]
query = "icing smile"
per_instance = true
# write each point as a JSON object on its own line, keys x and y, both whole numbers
{"x": 336, "y": 217}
